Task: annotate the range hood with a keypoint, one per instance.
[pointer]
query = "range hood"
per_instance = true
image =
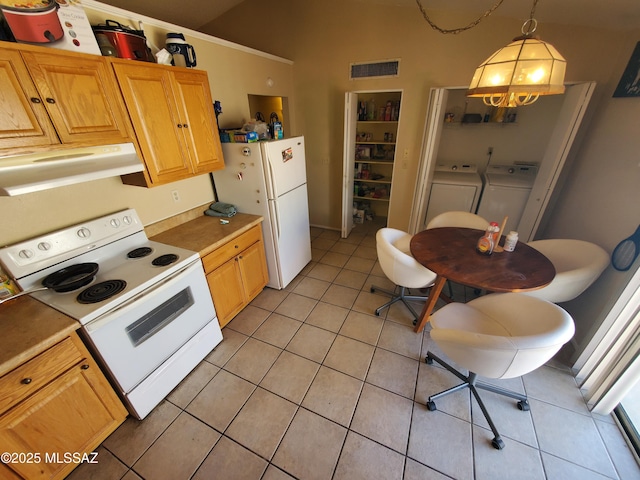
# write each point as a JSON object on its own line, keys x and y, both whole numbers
{"x": 34, "y": 172}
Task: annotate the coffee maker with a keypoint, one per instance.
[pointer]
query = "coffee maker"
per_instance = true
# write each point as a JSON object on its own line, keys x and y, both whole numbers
{"x": 183, "y": 54}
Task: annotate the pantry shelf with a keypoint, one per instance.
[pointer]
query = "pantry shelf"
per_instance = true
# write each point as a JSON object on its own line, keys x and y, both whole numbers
{"x": 382, "y": 199}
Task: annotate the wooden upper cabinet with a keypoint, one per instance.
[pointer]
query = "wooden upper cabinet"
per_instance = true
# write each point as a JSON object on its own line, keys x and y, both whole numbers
{"x": 148, "y": 96}
{"x": 173, "y": 118}
{"x": 52, "y": 98}
{"x": 23, "y": 121}
{"x": 80, "y": 96}
{"x": 201, "y": 126}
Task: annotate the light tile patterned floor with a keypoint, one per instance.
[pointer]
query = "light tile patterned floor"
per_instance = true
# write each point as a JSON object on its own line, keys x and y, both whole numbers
{"x": 310, "y": 384}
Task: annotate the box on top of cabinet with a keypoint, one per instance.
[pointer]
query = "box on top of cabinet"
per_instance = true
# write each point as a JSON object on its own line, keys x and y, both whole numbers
{"x": 51, "y": 23}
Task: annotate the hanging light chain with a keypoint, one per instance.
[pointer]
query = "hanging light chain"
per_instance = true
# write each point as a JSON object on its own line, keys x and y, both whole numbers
{"x": 530, "y": 25}
{"x": 455, "y": 31}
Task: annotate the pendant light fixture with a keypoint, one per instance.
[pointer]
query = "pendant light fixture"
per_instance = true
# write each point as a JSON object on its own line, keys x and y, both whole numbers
{"x": 520, "y": 72}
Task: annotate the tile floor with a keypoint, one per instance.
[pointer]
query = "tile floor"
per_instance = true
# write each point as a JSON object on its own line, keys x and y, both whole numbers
{"x": 309, "y": 384}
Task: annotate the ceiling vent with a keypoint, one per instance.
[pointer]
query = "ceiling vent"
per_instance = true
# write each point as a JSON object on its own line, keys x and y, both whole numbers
{"x": 387, "y": 68}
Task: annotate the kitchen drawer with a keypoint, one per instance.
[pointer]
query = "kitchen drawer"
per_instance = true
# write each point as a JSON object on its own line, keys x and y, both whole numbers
{"x": 37, "y": 372}
{"x": 231, "y": 249}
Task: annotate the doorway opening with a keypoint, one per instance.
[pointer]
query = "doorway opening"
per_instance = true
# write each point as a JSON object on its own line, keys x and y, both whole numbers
{"x": 370, "y": 137}
{"x": 266, "y": 106}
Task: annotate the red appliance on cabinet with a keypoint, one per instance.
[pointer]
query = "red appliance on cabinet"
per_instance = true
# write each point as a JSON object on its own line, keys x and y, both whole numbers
{"x": 34, "y": 22}
{"x": 129, "y": 43}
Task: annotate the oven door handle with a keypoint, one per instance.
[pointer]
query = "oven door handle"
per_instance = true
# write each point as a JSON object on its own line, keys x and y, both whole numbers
{"x": 129, "y": 304}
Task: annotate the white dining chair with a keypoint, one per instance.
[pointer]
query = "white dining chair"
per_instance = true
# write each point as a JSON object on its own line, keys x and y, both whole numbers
{"x": 578, "y": 264}
{"x": 457, "y": 218}
{"x": 501, "y": 335}
{"x": 401, "y": 268}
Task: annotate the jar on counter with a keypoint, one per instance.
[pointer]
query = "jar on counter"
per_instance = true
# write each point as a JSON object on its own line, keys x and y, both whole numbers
{"x": 7, "y": 287}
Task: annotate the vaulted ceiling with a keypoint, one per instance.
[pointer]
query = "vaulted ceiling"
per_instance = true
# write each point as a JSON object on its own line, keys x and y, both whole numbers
{"x": 614, "y": 14}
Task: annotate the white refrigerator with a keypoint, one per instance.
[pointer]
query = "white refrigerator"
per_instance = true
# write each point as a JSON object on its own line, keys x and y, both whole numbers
{"x": 270, "y": 179}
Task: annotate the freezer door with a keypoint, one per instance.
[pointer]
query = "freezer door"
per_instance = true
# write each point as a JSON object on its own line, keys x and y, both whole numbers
{"x": 285, "y": 166}
{"x": 289, "y": 217}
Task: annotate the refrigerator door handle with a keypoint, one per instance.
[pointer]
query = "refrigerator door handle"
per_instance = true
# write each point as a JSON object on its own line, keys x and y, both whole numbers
{"x": 271, "y": 181}
{"x": 276, "y": 218}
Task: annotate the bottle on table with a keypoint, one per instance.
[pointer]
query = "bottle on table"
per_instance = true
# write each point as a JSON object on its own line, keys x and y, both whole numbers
{"x": 496, "y": 233}
{"x": 510, "y": 241}
{"x": 486, "y": 243}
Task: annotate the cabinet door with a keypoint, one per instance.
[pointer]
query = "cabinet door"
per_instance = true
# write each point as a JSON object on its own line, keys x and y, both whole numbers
{"x": 149, "y": 99}
{"x": 7, "y": 474}
{"x": 225, "y": 284}
{"x": 200, "y": 128}
{"x": 68, "y": 415}
{"x": 253, "y": 266}
{"x": 23, "y": 120}
{"x": 81, "y": 97}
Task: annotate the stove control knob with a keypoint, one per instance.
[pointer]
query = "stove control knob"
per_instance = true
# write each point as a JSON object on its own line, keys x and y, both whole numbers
{"x": 44, "y": 246}
{"x": 127, "y": 220}
{"x": 84, "y": 233}
{"x": 25, "y": 253}
{"x": 115, "y": 223}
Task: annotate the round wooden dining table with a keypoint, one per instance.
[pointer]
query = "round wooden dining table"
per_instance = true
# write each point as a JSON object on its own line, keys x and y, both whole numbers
{"x": 450, "y": 252}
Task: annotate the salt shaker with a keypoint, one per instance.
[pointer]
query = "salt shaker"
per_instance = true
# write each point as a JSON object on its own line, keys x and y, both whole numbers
{"x": 510, "y": 241}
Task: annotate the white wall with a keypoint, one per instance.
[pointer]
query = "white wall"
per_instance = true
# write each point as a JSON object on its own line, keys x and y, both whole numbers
{"x": 523, "y": 141}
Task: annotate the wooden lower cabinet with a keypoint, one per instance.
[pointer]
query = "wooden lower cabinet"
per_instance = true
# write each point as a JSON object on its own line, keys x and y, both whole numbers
{"x": 236, "y": 273}
{"x": 51, "y": 420}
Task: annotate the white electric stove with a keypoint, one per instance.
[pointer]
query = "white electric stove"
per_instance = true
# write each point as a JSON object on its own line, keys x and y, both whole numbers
{"x": 147, "y": 313}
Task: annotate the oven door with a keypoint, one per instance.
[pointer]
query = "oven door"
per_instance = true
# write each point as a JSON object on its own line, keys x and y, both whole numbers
{"x": 138, "y": 336}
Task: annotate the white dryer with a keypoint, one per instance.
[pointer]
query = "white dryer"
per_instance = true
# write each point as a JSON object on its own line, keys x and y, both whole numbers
{"x": 506, "y": 191}
{"x": 454, "y": 187}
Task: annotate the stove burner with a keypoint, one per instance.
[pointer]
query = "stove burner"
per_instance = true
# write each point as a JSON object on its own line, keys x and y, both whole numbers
{"x": 164, "y": 260}
{"x": 139, "y": 252}
{"x": 101, "y": 291}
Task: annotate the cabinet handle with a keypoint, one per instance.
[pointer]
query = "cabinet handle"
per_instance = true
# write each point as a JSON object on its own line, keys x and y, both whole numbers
{"x": 237, "y": 246}
{"x": 25, "y": 381}
{"x": 85, "y": 367}
{"x": 185, "y": 125}
{"x": 35, "y": 100}
{"x": 179, "y": 125}
{"x": 51, "y": 100}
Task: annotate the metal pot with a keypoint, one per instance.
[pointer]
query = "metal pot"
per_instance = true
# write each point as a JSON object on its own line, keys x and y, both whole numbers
{"x": 129, "y": 43}
{"x": 35, "y": 22}
{"x": 64, "y": 280}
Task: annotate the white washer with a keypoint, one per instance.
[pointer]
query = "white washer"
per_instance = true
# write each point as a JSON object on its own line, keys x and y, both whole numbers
{"x": 454, "y": 187}
{"x": 506, "y": 191}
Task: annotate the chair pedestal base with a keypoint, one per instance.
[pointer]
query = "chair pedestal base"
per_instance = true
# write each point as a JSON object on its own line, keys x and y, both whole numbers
{"x": 398, "y": 297}
{"x": 471, "y": 382}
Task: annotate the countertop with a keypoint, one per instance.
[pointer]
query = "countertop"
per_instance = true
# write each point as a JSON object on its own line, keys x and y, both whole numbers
{"x": 205, "y": 234}
{"x": 28, "y": 327}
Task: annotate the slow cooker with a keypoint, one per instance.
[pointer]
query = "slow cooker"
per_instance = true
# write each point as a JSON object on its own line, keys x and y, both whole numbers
{"x": 35, "y": 21}
{"x": 129, "y": 43}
